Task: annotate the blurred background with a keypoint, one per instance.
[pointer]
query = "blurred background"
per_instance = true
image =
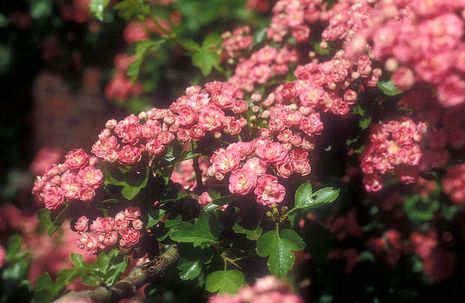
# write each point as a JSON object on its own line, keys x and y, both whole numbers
{"x": 64, "y": 72}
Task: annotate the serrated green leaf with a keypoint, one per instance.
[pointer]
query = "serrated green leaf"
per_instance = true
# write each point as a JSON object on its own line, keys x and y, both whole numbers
{"x": 212, "y": 40}
{"x": 279, "y": 247}
{"x": 205, "y": 59}
{"x": 364, "y": 123}
{"x": 91, "y": 280}
{"x": 203, "y": 232}
{"x": 250, "y": 234}
{"x": 97, "y": 8}
{"x": 228, "y": 281}
{"x": 388, "y": 88}
{"x": 142, "y": 48}
{"x": 189, "y": 269}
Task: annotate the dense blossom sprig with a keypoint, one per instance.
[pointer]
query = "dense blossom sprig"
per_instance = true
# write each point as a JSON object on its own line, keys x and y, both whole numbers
{"x": 75, "y": 179}
{"x": 393, "y": 148}
{"x": 105, "y": 232}
{"x": 266, "y": 289}
{"x": 419, "y": 41}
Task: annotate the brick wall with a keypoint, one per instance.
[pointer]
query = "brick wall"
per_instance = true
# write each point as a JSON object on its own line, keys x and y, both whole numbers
{"x": 64, "y": 118}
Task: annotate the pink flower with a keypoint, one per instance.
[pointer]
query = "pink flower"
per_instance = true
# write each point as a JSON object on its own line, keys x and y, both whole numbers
{"x": 271, "y": 152}
{"x": 82, "y": 224}
{"x": 121, "y": 222}
{"x": 129, "y": 237}
{"x": 242, "y": 181}
{"x": 312, "y": 124}
{"x": 86, "y": 194}
{"x": 129, "y": 154}
{"x": 451, "y": 92}
{"x": 205, "y": 199}
{"x": 71, "y": 185}
{"x": 269, "y": 192}
{"x": 91, "y": 176}
{"x": 132, "y": 213}
{"x": 211, "y": 118}
{"x": 76, "y": 158}
{"x": 137, "y": 224}
{"x": 53, "y": 197}
{"x": 255, "y": 165}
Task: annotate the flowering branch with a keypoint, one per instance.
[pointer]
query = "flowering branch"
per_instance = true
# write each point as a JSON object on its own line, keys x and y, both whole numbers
{"x": 127, "y": 287}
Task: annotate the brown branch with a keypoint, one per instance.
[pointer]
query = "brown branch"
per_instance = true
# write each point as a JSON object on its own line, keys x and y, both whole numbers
{"x": 200, "y": 187}
{"x": 151, "y": 271}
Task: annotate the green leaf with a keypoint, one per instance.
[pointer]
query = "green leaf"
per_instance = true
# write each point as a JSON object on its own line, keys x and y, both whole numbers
{"x": 205, "y": 59}
{"x": 134, "y": 184}
{"x": 218, "y": 200}
{"x": 303, "y": 195}
{"x": 91, "y": 280}
{"x": 388, "y": 88}
{"x": 229, "y": 281}
{"x": 250, "y": 234}
{"x": 52, "y": 224}
{"x": 76, "y": 260}
{"x": 364, "y": 123}
{"x": 212, "y": 41}
{"x": 279, "y": 247}
{"x": 189, "y": 269}
{"x": 142, "y": 48}
{"x": 97, "y": 7}
{"x": 325, "y": 196}
{"x": 154, "y": 217}
{"x": 203, "y": 232}
{"x": 129, "y": 9}
{"x": 321, "y": 51}
{"x": 190, "y": 45}
{"x": 13, "y": 246}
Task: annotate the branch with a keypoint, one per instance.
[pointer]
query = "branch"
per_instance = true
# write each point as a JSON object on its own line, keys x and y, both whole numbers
{"x": 200, "y": 187}
{"x": 151, "y": 271}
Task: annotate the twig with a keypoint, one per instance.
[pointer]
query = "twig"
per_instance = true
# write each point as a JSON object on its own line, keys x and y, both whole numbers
{"x": 151, "y": 271}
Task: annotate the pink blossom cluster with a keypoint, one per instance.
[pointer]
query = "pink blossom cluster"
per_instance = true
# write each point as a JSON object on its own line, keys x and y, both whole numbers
{"x": 215, "y": 109}
{"x": 266, "y": 289}
{"x": 248, "y": 162}
{"x": 262, "y": 66}
{"x": 437, "y": 263}
{"x": 294, "y": 17}
{"x": 446, "y": 128}
{"x": 394, "y": 147}
{"x": 334, "y": 85}
{"x": 454, "y": 183}
{"x": 419, "y": 41}
{"x": 105, "y": 232}
{"x": 346, "y": 18}
{"x": 344, "y": 225}
{"x": 121, "y": 87}
{"x": 75, "y": 179}
{"x": 239, "y": 40}
{"x": 391, "y": 244}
